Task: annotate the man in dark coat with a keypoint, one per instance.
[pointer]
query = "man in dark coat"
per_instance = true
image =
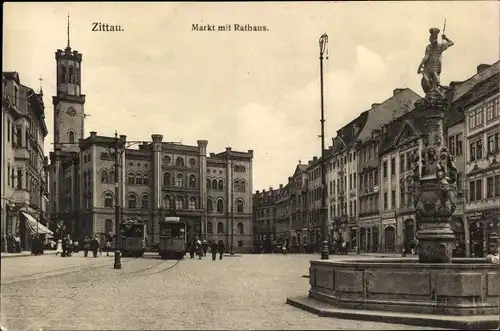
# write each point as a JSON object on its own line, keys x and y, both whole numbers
{"x": 221, "y": 249}
{"x": 214, "y": 249}
{"x": 94, "y": 246}
{"x": 86, "y": 246}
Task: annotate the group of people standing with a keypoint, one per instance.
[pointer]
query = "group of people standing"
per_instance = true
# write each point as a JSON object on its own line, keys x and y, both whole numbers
{"x": 66, "y": 246}
{"x": 200, "y": 248}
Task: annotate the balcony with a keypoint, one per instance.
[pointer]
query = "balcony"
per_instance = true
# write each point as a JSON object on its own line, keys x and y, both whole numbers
{"x": 21, "y": 153}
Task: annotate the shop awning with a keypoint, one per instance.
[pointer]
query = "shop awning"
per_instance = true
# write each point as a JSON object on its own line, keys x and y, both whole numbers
{"x": 35, "y": 226}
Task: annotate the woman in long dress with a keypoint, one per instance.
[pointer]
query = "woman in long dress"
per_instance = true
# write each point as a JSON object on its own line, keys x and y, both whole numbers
{"x": 59, "y": 249}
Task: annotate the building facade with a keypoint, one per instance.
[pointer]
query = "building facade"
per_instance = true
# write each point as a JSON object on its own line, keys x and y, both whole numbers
{"x": 24, "y": 164}
{"x": 155, "y": 178}
{"x": 479, "y": 100}
{"x": 264, "y": 218}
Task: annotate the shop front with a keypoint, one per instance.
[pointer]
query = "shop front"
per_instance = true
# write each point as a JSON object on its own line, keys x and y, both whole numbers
{"x": 483, "y": 229}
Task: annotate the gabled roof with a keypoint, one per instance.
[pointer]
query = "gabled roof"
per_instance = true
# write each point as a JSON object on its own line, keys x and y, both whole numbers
{"x": 300, "y": 168}
{"x": 392, "y": 108}
{"x": 395, "y": 130}
{"x": 462, "y": 89}
{"x": 472, "y": 91}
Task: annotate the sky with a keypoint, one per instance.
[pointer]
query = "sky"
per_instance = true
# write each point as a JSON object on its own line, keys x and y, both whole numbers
{"x": 242, "y": 89}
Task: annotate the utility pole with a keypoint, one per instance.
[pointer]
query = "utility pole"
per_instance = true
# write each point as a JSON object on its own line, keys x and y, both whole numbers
{"x": 118, "y": 262}
{"x": 323, "y": 41}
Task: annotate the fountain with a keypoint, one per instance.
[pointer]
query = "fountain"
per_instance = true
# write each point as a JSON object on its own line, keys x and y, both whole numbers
{"x": 435, "y": 290}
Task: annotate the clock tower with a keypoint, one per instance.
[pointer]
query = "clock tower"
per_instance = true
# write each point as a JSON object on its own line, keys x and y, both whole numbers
{"x": 69, "y": 101}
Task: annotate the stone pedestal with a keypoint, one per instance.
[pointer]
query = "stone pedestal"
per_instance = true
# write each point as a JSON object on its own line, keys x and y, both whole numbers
{"x": 434, "y": 185}
{"x": 466, "y": 287}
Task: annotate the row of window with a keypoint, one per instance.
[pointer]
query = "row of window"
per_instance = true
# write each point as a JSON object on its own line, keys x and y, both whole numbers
{"x": 180, "y": 202}
{"x": 15, "y": 178}
{"x": 492, "y": 188}
{"x": 220, "y": 228}
{"x": 179, "y": 161}
{"x": 71, "y": 75}
{"x": 476, "y": 147}
{"x": 218, "y": 185}
{"x": 476, "y": 116}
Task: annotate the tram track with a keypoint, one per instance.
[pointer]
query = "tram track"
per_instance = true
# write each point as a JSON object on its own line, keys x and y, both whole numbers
{"x": 56, "y": 273}
{"x": 139, "y": 273}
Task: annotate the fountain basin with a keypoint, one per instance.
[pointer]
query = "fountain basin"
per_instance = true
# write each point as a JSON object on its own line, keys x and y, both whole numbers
{"x": 464, "y": 287}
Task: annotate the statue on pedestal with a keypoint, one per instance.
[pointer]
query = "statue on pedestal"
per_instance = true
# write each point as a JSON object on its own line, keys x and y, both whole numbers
{"x": 431, "y": 64}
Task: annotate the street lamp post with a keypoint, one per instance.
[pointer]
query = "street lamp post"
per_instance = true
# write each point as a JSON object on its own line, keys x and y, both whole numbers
{"x": 118, "y": 259}
{"x": 323, "y": 41}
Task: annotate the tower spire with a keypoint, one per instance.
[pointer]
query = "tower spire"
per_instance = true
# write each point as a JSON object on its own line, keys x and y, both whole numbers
{"x": 68, "y": 33}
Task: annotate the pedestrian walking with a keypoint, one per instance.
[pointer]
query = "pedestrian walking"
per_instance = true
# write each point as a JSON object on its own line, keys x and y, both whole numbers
{"x": 205, "y": 248}
{"x": 221, "y": 248}
{"x": 94, "y": 246}
{"x": 86, "y": 246}
{"x": 108, "y": 247}
{"x": 192, "y": 249}
{"x": 59, "y": 249}
{"x": 214, "y": 249}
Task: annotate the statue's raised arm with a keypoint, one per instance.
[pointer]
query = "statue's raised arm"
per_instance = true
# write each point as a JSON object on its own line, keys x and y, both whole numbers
{"x": 431, "y": 64}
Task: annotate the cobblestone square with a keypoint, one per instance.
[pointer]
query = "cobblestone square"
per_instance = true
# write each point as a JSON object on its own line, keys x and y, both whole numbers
{"x": 246, "y": 292}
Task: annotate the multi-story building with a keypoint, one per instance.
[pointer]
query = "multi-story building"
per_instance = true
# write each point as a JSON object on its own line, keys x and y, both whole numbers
{"x": 367, "y": 150}
{"x": 298, "y": 206}
{"x": 342, "y": 174}
{"x": 283, "y": 213}
{"x": 314, "y": 191}
{"x": 479, "y": 100}
{"x": 264, "y": 217}
{"x": 400, "y": 139}
{"x": 158, "y": 179}
{"x": 24, "y": 163}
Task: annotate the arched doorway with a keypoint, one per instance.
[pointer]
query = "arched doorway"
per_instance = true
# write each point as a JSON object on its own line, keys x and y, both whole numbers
{"x": 375, "y": 239}
{"x": 390, "y": 238}
{"x": 477, "y": 239}
{"x": 362, "y": 239}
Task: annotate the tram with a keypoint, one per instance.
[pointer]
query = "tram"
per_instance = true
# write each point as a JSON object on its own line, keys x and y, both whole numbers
{"x": 172, "y": 238}
{"x": 132, "y": 238}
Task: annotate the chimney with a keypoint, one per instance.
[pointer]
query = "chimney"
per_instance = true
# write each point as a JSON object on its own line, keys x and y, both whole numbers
{"x": 315, "y": 158}
{"x": 397, "y": 90}
{"x": 250, "y": 151}
{"x": 157, "y": 138}
{"x": 309, "y": 162}
{"x": 374, "y": 105}
{"x": 281, "y": 186}
{"x": 212, "y": 154}
{"x": 455, "y": 84}
{"x": 270, "y": 188}
{"x": 257, "y": 192}
{"x": 300, "y": 162}
{"x": 482, "y": 66}
{"x": 290, "y": 179}
{"x": 93, "y": 134}
{"x": 355, "y": 129}
{"x": 123, "y": 137}
{"x": 263, "y": 191}
{"x": 228, "y": 149}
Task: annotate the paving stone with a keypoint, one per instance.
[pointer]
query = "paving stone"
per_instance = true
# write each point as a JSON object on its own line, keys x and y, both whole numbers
{"x": 245, "y": 292}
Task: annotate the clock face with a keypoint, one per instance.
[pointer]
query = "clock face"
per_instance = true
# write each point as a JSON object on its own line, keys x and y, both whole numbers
{"x": 71, "y": 111}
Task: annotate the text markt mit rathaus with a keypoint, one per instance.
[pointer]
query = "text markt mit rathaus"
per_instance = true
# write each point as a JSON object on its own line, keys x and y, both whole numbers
{"x": 229, "y": 27}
